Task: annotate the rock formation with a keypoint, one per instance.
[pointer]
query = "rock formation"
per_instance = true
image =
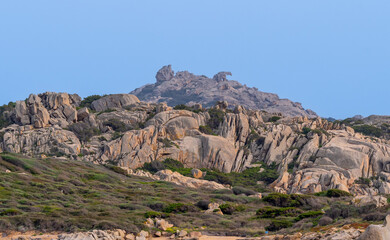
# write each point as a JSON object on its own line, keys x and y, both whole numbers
{"x": 187, "y": 88}
{"x": 311, "y": 155}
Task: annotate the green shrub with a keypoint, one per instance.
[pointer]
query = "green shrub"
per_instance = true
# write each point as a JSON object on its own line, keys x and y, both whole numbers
{"x": 273, "y": 119}
{"x": 364, "y": 181}
{"x": 152, "y": 214}
{"x": 153, "y": 166}
{"x": 117, "y": 125}
{"x": 368, "y": 130}
{"x": 306, "y": 130}
{"x": 271, "y": 212}
{"x": 179, "y": 208}
{"x": 10, "y": 212}
{"x": 286, "y": 200}
{"x": 216, "y": 118}
{"x": 88, "y": 100}
{"x": 203, "y": 204}
{"x": 279, "y": 224}
{"x": 206, "y": 130}
{"x": 227, "y": 208}
{"x": 172, "y": 164}
{"x": 309, "y": 214}
{"x": 334, "y": 193}
{"x": 167, "y": 143}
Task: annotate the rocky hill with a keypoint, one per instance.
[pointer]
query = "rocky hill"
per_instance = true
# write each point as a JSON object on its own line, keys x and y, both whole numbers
{"x": 231, "y": 146}
{"x": 187, "y": 88}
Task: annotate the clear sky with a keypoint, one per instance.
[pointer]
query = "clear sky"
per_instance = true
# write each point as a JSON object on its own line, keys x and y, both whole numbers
{"x": 332, "y": 56}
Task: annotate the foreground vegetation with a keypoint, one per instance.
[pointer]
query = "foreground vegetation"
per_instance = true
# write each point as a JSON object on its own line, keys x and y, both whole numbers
{"x": 66, "y": 195}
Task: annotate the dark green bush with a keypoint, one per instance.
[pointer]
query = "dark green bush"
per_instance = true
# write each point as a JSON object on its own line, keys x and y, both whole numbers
{"x": 10, "y": 212}
{"x": 364, "y": 181}
{"x": 117, "y": 125}
{"x": 334, "y": 193}
{"x": 172, "y": 164}
{"x": 279, "y": 224}
{"x": 368, "y": 130}
{"x": 271, "y": 212}
{"x": 203, "y": 204}
{"x": 286, "y": 200}
{"x": 206, "y": 130}
{"x": 88, "y": 100}
{"x": 152, "y": 214}
{"x": 179, "y": 208}
{"x": 227, "y": 208}
{"x": 216, "y": 118}
{"x": 306, "y": 130}
{"x": 273, "y": 119}
{"x": 153, "y": 166}
{"x": 309, "y": 214}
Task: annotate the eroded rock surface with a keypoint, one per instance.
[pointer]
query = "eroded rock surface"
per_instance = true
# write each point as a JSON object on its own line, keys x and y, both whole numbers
{"x": 187, "y": 88}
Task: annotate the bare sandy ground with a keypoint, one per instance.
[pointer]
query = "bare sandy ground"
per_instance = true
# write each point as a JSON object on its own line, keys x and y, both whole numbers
{"x": 54, "y": 236}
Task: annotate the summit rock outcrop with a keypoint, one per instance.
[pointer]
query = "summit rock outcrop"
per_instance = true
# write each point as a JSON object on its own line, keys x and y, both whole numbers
{"x": 187, "y": 88}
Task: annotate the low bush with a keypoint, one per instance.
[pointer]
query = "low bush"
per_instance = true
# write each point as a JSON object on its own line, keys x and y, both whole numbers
{"x": 86, "y": 102}
{"x": 229, "y": 209}
{"x": 216, "y": 118}
{"x": 274, "y": 119}
{"x": 336, "y": 193}
{"x": 309, "y": 214}
{"x": 203, "y": 204}
{"x": 368, "y": 130}
{"x": 278, "y": 224}
{"x": 206, "y": 130}
{"x": 179, "y": 208}
{"x": 117, "y": 125}
{"x": 272, "y": 212}
{"x": 286, "y": 200}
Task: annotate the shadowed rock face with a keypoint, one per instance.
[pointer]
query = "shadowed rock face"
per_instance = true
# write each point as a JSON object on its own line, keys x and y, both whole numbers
{"x": 187, "y": 88}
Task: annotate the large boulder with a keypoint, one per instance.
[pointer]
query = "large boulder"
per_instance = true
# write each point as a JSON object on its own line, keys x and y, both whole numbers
{"x": 114, "y": 101}
{"x": 377, "y": 232}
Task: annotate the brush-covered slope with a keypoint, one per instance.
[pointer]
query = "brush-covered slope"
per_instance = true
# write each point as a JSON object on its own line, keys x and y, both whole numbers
{"x": 68, "y": 195}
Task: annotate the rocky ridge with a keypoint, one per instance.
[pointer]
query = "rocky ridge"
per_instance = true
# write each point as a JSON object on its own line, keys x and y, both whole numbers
{"x": 187, "y": 88}
{"x": 311, "y": 155}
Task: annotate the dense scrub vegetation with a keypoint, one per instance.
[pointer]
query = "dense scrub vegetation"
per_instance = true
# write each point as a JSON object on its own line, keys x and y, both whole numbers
{"x": 86, "y": 102}
{"x": 66, "y": 195}
{"x": 368, "y": 130}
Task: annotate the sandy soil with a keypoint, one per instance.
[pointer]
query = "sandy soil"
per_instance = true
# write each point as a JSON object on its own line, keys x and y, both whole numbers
{"x": 54, "y": 236}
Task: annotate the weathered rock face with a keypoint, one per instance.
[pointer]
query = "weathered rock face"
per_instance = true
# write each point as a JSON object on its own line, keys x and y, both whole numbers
{"x": 310, "y": 155}
{"x": 114, "y": 101}
{"x": 47, "y": 108}
{"x": 51, "y": 140}
{"x": 187, "y": 88}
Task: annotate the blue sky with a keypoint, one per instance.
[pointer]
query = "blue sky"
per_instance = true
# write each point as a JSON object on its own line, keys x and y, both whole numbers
{"x": 332, "y": 56}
